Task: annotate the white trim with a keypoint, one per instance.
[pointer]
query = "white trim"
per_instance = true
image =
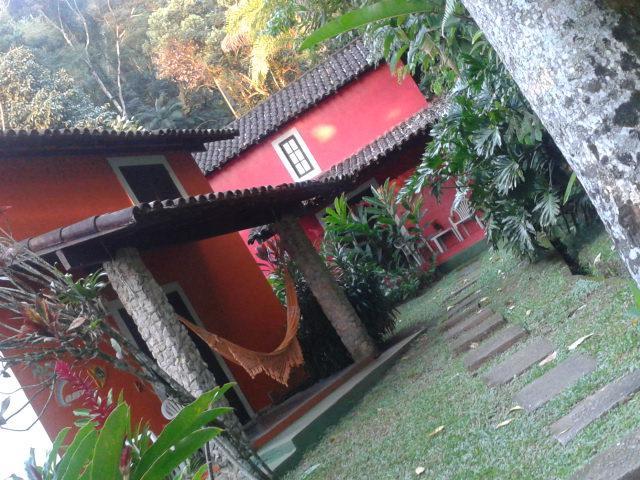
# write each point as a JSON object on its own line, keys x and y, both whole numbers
{"x": 285, "y": 161}
{"x": 171, "y": 287}
{"x": 117, "y": 162}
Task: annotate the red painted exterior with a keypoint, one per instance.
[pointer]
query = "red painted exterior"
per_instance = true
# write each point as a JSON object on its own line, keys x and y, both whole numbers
{"x": 216, "y": 274}
{"x": 335, "y": 129}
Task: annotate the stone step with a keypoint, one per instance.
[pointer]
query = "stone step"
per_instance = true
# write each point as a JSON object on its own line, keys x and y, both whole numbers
{"x": 518, "y": 363}
{"x": 595, "y": 406}
{"x": 498, "y": 343}
{"x": 619, "y": 462}
{"x": 477, "y": 334}
{"x": 461, "y": 290}
{"x": 463, "y": 297}
{"x": 471, "y": 321}
{"x": 562, "y": 376}
{"x": 454, "y": 320}
{"x": 472, "y": 300}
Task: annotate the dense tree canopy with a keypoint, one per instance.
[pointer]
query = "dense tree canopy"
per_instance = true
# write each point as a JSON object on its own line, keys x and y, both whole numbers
{"x": 163, "y": 63}
{"x": 32, "y": 96}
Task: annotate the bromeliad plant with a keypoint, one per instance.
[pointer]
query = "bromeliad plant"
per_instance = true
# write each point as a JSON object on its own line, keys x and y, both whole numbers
{"x": 55, "y": 316}
{"x": 383, "y": 228}
{"x": 119, "y": 450}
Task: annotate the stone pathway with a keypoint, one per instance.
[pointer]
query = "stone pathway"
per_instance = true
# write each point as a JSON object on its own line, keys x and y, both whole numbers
{"x": 473, "y": 320}
{"x": 562, "y": 376}
{"x": 464, "y": 341}
{"x": 518, "y": 363}
{"x": 500, "y": 342}
{"x": 595, "y": 406}
{"x": 467, "y": 324}
{"x": 620, "y": 462}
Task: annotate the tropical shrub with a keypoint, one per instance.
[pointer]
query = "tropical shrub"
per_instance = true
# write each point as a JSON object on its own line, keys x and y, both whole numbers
{"x": 118, "y": 450}
{"x": 489, "y": 140}
{"x": 383, "y": 228}
{"x": 498, "y": 150}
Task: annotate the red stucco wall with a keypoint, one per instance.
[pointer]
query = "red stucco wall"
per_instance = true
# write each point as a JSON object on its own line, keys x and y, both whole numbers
{"x": 337, "y": 128}
{"x": 217, "y": 274}
{"x": 333, "y": 130}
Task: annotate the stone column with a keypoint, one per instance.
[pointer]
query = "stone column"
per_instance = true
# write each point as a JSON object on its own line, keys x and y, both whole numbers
{"x": 172, "y": 347}
{"x": 330, "y": 296}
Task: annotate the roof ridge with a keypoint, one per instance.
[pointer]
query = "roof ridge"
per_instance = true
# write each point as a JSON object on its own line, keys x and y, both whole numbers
{"x": 337, "y": 70}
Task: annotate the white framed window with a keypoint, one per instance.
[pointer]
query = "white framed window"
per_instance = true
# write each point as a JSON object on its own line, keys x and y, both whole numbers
{"x": 216, "y": 364}
{"x": 147, "y": 178}
{"x": 295, "y": 156}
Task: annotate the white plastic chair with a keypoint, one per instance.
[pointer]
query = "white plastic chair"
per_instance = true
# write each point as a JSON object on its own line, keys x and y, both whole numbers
{"x": 463, "y": 210}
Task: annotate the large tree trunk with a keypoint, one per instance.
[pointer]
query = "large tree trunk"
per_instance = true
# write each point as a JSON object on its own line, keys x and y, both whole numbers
{"x": 174, "y": 350}
{"x": 578, "y": 64}
{"x": 330, "y": 296}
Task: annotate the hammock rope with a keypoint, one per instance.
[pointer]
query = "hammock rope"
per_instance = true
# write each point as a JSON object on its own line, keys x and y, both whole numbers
{"x": 278, "y": 363}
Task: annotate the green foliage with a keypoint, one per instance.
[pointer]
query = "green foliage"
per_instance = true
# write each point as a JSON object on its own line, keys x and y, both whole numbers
{"x": 382, "y": 228}
{"x": 489, "y": 140}
{"x": 492, "y": 144}
{"x": 33, "y": 96}
{"x": 362, "y": 16}
{"x": 121, "y": 451}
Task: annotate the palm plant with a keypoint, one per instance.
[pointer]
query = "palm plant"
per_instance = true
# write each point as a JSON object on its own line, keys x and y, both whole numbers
{"x": 165, "y": 114}
{"x": 384, "y": 228}
{"x": 119, "y": 450}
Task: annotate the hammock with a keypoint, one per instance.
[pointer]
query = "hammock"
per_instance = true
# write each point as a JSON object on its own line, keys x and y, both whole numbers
{"x": 278, "y": 363}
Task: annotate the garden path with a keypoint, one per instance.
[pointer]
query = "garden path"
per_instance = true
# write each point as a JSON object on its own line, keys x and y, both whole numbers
{"x": 468, "y": 323}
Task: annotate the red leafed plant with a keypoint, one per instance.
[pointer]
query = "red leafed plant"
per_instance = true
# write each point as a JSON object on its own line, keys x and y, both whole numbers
{"x": 96, "y": 408}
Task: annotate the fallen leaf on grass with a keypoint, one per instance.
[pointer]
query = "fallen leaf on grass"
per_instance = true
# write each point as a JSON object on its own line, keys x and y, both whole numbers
{"x": 527, "y": 313}
{"x": 504, "y": 423}
{"x": 436, "y": 431}
{"x": 419, "y": 470}
{"x": 577, "y": 343}
{"x": 597, "y": 259}
{"x": 548, "y": 359}
{"x": 515, "y": 408}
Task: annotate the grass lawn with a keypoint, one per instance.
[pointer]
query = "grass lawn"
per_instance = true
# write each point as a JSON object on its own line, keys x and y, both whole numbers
{"x": 386, "y": 435}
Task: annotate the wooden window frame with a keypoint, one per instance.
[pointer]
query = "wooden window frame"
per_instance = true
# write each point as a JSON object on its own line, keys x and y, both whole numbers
{"x": 117, "y": 162}
{"x": 286, "y": 161}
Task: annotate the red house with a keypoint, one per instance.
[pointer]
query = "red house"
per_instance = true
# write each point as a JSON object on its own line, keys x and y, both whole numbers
{"x": 348, "y": 116}
{"x": 78, "y": 197}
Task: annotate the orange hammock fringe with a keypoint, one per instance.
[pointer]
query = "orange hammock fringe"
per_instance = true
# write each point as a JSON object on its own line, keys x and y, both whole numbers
{"x": 278, "y": 363}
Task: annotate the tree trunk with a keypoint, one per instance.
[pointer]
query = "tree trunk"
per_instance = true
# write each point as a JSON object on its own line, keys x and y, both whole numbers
{"x": 174, "y": 350}
{"x": 578, "y": 64}
{"x": 330, "y": 296}
{"x": 572, "y": 263}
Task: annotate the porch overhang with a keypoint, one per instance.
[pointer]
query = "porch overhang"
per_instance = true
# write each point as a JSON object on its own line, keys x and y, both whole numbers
{"x": 94, "y": 240}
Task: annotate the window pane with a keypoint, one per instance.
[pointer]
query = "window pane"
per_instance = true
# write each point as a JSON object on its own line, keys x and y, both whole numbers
{"x": 296, "y": 156}
{"x": 150, "y": 182}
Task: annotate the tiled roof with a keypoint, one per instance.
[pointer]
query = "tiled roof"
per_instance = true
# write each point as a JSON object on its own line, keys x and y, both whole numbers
{"x": 316, "y": 84}
{"x": 70, "y": 141}
{"x": 354, "y": 170}
{"x": 378, "y": 150}
{"x": 149, "y": 225}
